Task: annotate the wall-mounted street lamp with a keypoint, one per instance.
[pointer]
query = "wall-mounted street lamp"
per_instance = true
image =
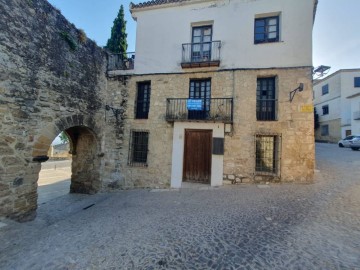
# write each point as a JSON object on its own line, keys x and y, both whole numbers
{"x": 116, "y": 112}
{"x": 293, "y": 92}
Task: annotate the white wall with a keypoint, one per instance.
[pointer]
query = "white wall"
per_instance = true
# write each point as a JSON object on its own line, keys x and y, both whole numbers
{"x": 355, "y": 107}
{"x": 333, "y": 98}
{"x": 341, "y": 88}
{"x": 162, "y": 31}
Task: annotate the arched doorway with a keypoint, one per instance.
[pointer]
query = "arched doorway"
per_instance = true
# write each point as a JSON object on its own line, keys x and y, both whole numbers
{"x": 85, "y": 169}
{"x": 84, "y": 148}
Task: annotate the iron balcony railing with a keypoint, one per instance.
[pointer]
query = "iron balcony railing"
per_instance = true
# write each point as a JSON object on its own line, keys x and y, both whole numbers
{"x": 206, "y": 109}
{"x": 120, "y": 61}
{"x": 357, "y": 115}
{"x": 201, "y": 54}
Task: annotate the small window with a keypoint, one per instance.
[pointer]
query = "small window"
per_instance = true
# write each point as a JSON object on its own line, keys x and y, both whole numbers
{"x": 143, "y": 100}
{"x": 266, "y": 99}
{"x": 325, "y": 109}
{"x": 138, "y": 149}
{"x": 266, "y": 30}
{"x": 325, "y": 130}
{"x": 267, "y": 154}
{"x": 357, "y": 82}
{"x": 325, "y": 89}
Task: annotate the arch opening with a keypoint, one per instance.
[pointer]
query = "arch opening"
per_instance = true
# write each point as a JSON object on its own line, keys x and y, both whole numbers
{"x": 83, "y": 168}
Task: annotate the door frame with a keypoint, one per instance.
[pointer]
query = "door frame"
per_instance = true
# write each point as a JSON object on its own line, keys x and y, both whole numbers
{"x": 217, "y": 161}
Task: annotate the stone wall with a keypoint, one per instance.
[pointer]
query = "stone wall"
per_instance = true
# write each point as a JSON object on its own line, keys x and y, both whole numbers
{"x": 52, "y": 79}
{"x": 334, "y": 131}
{"x": 294, "y": 126}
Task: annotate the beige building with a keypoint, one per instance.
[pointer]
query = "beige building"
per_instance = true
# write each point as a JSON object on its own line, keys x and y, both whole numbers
{"x": 217, "y": 92}
{"x": 337, "y": 102}
{"x": 209, "y": 93}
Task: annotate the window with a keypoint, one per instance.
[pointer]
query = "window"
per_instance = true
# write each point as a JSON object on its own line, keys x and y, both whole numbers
{"x": 201, "y": 43}
{"x": 325, "y": 130}
{"x": 267, "y": 154}
{"x": 266, "y": 99}
{"x": 143, "y": 100}
{"x": 325, "y": 89}
{"x": 325, "y": 109}
{"x": 138, "y": 151}
{"x": 266, "y": 30}
{"x": 357, "y": 82}
{"x": 200, "y": 90}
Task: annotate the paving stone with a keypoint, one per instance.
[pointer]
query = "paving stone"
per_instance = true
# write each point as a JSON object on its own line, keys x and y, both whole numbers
{"x": 232, "y": 227}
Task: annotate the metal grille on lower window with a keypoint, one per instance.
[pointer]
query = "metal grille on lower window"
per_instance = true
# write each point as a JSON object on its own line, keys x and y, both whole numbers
{"x": 138, "y": 148}
{"x": 267, "y": 154}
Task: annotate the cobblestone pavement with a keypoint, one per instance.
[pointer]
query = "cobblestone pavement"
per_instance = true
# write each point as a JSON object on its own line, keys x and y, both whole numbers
{"x": 285, "y": 226}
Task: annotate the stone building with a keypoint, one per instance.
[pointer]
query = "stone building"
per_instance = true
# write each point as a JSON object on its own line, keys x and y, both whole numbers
{"x": 217, "y": 91}
{"x": 209, "y": 93}
{"x": 337, "y": 102}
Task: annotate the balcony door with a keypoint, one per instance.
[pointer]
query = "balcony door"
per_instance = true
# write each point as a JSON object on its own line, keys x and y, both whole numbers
{"x": 200, "y": 90}
{"x": 201, "y": 43}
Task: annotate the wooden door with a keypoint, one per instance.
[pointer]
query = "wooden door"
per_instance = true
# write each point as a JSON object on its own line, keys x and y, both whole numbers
{"x": 197, "y": 156}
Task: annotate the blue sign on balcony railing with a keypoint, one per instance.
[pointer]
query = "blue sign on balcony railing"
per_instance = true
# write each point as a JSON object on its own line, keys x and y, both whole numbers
{"x": 195, "y": 104}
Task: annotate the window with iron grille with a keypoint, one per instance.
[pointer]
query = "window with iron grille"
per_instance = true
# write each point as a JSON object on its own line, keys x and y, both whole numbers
{"x": 325, "y": 109}
{"x": 138, "y": 151}
{"x": 143, "y": 100}
{"x": 266, "y": 101}
{"x": 266, "y": 30}
{"x": 267, "y": 154}
{"x": 325, "y": 89}
{"x": 325, "y": 130}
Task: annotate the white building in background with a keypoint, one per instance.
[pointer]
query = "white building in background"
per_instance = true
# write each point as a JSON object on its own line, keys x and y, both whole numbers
{"x": 337, "y": 102}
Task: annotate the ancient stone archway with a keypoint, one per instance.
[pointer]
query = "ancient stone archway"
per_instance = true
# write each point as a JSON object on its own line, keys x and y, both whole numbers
{"x": 84, "y": 149}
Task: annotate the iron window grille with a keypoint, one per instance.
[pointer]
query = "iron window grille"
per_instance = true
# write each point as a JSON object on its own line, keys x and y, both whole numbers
{"x": 325, "y": 89}
{"x": 266, "y": 102}
{"x": 325, "y": 130}
{"x": 266, "y": 30}
{"x": 138, "y": 148}
{"x": 267, "y": 154}
{"x": 325, "y": 109}
{"x": 143, "y": 100}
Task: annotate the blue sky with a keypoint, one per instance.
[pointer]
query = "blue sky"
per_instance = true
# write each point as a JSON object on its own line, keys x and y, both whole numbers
{"x": 336, "y": 39}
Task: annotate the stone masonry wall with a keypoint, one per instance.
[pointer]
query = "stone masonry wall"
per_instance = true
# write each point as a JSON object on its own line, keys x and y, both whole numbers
{"x": 294, "y": 126}
{"x": 334, "y": 131}
{"x": 52, "y": 79}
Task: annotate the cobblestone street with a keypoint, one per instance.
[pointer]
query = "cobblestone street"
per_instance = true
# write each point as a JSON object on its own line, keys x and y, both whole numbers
{"x": 276, "y": 226}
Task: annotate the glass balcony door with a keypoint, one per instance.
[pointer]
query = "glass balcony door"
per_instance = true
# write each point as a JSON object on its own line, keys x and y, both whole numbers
{"x": 201, "y": 44}
{"x": 200, "y": 90}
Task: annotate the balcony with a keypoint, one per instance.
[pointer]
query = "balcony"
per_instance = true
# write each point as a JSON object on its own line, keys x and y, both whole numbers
{"x": 119, "y": 61}
{"x": 205, "y": 54}
{"x": 357, "y": 115}
{"x": 208, "y": 110}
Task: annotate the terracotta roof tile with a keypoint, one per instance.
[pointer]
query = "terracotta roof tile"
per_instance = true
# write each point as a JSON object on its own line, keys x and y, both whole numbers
{"x": 154, "y": 3}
